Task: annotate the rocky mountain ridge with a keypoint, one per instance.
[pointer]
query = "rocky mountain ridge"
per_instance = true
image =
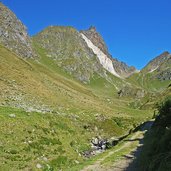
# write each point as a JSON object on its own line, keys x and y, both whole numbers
{"x": 160, "y": 67}
{"x": 67, "y": 49}
{"x": 13, "y": 34}
{"x": 52, "y": 106}
{"x": 96, "y": 39}
{"x": 104, "y": 60}
{"x": 157, "y": 62}
{"x": 96, "y": 42}
{"x": 82, "y": 54}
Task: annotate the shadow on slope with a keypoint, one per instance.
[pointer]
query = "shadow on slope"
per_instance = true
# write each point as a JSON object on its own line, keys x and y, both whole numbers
{"x": 133, "y": 158}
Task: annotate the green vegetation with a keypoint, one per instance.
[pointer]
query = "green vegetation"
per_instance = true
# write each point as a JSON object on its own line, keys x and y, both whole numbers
{"x": 52, "y": 106}
{"x": 51, "y": 140}
{"x": 54, "y": 102}
{"x": 48, "y": 118}
{"x": 156, "y": 154}
{"x": 148, "y": 82}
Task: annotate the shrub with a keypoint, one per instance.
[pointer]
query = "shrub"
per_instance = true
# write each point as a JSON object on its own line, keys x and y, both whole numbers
{"x": 164, "y": 117}
{"x": 156, "y": 153}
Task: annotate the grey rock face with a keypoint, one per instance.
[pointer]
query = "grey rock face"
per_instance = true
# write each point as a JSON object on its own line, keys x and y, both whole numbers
{"x": 164, "y": 75}
{"x": 13, "y": 34}
{"x": 96, "y": 39}
{"x": 121, "y": 68}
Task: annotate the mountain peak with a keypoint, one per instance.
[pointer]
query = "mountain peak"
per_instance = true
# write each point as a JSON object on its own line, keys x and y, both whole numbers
{"x": 165, "y": 53}
{"x": 114, "y": 66}
{"x": 96, "y": 39}
{"x": 92, "y": 28}
{"x": 65, "y": 46}
{"x": 13, "y": 33}
{"x": 157, "y": 62}
{"x": 161, "y": 58}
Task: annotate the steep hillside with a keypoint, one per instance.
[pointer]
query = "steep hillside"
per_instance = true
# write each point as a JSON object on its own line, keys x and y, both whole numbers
{"x": 29, "y": 84}
{"x": 13, "y": 34}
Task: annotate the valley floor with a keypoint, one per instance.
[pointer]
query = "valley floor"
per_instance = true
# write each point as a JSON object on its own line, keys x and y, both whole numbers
{"x": 123, "y": 156}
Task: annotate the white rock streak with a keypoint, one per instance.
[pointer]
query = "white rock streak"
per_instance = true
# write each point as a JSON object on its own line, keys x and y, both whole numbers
{"x": 152, "y": 70}
{"x": 104, "y": 60}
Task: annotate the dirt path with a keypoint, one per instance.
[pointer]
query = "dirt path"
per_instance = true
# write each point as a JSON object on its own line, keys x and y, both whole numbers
{"x": 127, "y": 162}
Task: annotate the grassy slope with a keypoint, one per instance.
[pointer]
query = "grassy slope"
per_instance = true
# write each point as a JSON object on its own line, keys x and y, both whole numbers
{"x": 145, "y": 81}
{"x": 154, "y": 88}
{"x": 78, "y": 112}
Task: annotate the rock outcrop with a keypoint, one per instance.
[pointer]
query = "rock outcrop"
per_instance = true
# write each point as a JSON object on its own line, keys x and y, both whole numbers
{"x": 164, "y": 75}
{"x": 104, "y": 60}
{"x": 129, "y": 91}
{"x": 13, "y": 34}
{"x": 97, "y": 44}
{"x": 96, "y": 39}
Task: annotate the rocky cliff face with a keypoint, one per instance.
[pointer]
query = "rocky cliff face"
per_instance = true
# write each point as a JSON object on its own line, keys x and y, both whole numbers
{"x": 13, "y": 34}
{"x": 103, "y": 58}
{"x": 97, "y": 44}
{"x": 96, "y": 39}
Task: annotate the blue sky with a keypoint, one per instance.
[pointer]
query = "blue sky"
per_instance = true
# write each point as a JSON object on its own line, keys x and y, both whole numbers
{"x": 135, "y": 31}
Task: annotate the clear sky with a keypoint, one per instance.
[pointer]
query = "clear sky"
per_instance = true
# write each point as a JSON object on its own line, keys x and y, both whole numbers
{"x": 135, "y": 31}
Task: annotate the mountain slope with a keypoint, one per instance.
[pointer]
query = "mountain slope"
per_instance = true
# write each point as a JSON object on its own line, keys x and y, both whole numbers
{"x": 52, "y": 106}
{"x": 41, "y": 109}
{"x": 157, "y": 62}
{"x": 156, "y": 75}
{"x": 159, "y": 67}
{"x": 66, "y": 48}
